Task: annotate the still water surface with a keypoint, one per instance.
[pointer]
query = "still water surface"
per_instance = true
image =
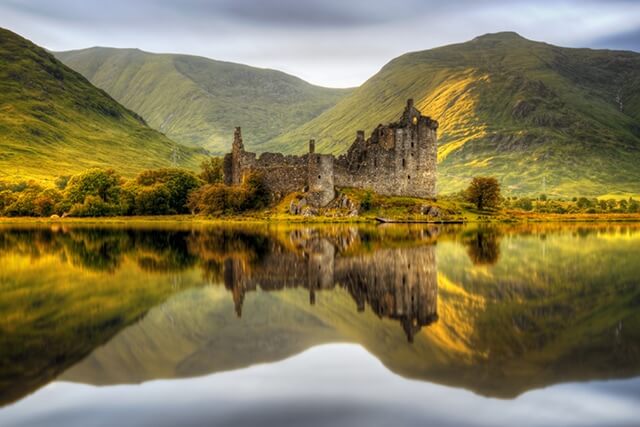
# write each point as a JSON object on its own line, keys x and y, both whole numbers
{"x": 335, "y": 325}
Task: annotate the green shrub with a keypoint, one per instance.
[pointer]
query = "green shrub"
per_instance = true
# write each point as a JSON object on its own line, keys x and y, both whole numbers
{"x": 219, "y": 199}
{"x": 104, "y": 184}
{"x": 61, "y": 182}
{"x": 367, "y": 202}
{"x": 584, "y": 203}
{"x": 47, "y": 202}
{"x": 7, "y": 198}
{"x": 212, "y": 171}
{"x": 524, "y": 203}
{"x": 178, "y": 182}
{"x": 257, "y": 194}
{"x": 93, "y": 206}
{"x": 153, "y": 200}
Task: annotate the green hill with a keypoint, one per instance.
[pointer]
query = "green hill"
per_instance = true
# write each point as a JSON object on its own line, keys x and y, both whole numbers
{"x": 541, "y": 118}
{"x": 54, "y": 122}
{"x": 199, "y": 101}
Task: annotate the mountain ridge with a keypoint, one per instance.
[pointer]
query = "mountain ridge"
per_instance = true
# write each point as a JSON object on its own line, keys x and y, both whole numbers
{"x": 54, "y": 122}
{"x": 505, "y": 104}
{"x": 199, "y": 101}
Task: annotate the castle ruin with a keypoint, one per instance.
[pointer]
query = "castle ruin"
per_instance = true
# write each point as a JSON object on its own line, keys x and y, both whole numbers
{"x": 398, "y": 159}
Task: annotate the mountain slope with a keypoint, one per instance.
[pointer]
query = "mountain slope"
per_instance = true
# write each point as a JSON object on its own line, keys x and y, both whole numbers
{"x": 54, "y": 122}
{"x": 199, "y": 101}
{"x": 541, "y": 118}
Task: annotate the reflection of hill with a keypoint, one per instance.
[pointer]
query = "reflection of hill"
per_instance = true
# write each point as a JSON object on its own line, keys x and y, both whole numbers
{"x": 554, "y": 306}
{"x": 53, "y": 315}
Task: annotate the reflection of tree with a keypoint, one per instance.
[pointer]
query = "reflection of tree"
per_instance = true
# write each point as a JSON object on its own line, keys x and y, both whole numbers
{"x": 392, "y": 270}
{"x": 483, "y": 247}
{"x": 163, "y": 251}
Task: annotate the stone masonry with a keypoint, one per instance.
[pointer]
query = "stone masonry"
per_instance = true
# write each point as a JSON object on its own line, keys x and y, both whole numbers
{"x": 398, "y": 159}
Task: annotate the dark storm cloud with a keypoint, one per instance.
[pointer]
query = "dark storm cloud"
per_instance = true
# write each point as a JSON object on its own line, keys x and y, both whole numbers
{"x": 330, "y": 42}
{"x": 329, "y": 13}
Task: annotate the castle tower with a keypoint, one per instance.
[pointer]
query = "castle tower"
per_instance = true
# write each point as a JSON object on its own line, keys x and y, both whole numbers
{"x": 319, "y": 177}
{"x": 233, "y": 162}
{"x": 415, "y": 153}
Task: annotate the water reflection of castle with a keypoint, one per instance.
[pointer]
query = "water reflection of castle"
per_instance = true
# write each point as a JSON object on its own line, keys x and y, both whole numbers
{"x": 396, "y": 283}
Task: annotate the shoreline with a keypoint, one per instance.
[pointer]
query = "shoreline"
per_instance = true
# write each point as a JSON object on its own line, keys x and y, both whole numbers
{"x": 499, "y": 218}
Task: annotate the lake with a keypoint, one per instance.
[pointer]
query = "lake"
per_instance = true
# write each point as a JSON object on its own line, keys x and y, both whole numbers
{"x": 275, "y": 325}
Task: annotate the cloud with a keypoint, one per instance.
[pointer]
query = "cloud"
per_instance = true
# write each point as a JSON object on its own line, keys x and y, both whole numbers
{"x": 328, "y": 42}
{"x": 629, "y": 40}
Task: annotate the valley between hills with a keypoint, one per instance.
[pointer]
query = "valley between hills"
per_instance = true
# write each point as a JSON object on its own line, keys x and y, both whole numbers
{"x": 543, "y": 120}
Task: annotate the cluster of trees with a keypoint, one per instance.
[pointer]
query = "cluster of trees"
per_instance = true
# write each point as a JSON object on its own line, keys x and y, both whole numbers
{"x": 484, "y": 193}
{"x": 216, "y": 199}
{"x": 543, "y": 204}
{"x": 102, "y": 192}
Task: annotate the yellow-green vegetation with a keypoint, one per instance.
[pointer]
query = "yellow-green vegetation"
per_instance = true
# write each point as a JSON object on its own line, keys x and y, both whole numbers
{"x": 53, "y": 122}
{"x": 66, "y": 292}
{"x": 173, "y": 192}
{"x": 102, "y": 192}
{"x": 221, "y": 199}
{"x": 199, "y": 101}
{"x": 504, "y": 326}
{"x": 538, "y": 117}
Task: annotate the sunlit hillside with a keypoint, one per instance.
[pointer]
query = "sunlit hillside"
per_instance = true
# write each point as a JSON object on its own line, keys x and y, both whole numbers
{"x": 54, "y": 122}
{"x": 541, "y": 118}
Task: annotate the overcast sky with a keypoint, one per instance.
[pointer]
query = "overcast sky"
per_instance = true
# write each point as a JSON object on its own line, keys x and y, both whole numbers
{"x": 336, "y": 43}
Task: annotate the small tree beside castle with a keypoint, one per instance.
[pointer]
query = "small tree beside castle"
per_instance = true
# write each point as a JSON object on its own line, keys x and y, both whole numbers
{"x": 483, "y": 192}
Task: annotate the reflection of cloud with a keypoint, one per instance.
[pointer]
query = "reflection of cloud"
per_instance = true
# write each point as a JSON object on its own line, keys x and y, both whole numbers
{"x": 337, "y": 384}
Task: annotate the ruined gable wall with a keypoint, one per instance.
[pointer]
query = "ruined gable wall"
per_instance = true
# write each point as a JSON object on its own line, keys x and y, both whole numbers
{"x": 398, "y": 159}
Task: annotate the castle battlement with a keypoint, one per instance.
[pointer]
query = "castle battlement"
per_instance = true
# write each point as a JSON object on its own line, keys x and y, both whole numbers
{"x": 398, "y": 158}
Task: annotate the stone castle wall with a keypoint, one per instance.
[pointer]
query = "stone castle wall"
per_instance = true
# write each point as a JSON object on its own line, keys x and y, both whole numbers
{"x": 397, "y": 159}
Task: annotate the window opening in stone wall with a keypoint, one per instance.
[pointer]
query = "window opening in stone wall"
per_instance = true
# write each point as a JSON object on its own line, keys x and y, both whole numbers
{"x": 403, "y": 163}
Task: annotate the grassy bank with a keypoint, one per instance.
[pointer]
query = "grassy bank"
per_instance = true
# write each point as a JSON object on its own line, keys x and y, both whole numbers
{"x": 273, "y": 217}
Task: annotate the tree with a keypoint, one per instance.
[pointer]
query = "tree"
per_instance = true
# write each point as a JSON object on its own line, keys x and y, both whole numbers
{"x": 584, "y": 203}
{"x": 212, "y": 170}
{"x": 45, "y": 203}
{"x": 104, "y": 184}
{"x": 93, "y": 206}
{"x": 178, "y": 182}
{"x": 61, "y": 182}
{"x": 153, "y": 200}
{"x": 257, "y": 194}
{"x": 484, "y": 192}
